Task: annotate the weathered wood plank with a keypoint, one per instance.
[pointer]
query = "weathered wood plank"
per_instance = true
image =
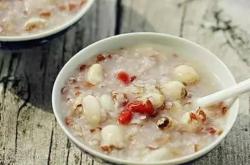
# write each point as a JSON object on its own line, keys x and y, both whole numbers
{"x": 31, "y": 124}
{"x": 144, "y": 15}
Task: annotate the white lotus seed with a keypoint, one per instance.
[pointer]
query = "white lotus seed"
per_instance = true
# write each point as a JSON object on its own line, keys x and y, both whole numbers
{"x": 112, "y": 135}
{"x": 34, "y": 24}
{"x": 155, "y": 96}
{"x": 107, "y": 102}
{"x": 186, "y": 74}
{"x": 157, "y": 99}
{"x": 95, "y": 74}
{"x": 92, "y": 110}
{"x": 173, "y": 90}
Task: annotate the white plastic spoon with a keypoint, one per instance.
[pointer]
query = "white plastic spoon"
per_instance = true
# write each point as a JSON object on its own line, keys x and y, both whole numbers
{"x": 224, "y": 94}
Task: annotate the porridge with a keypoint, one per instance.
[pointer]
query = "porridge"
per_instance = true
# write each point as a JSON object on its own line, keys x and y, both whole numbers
{"x": 135, "y": 104}
{"x": 24, "y": 17}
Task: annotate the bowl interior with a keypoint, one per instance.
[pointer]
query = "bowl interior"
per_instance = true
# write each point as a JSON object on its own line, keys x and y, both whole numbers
{"x": 183, "y": 47}
{"x": 50, "y": 31}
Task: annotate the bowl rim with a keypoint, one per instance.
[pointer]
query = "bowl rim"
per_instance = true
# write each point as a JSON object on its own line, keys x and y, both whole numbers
{"x": 50, "y": 31}
{"x": 180, "y": 160}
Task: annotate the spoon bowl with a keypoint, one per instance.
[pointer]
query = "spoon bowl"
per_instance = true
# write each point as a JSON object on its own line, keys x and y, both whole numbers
{"x": 231, "y": 92}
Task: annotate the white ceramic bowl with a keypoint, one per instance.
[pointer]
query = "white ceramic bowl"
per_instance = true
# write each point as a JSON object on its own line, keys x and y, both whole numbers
{"x": 181, "y": 46}
{"x": 51, "y": 31}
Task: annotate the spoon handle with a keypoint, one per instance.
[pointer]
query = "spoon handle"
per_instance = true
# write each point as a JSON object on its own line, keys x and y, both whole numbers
{"x": 224, "y": 94}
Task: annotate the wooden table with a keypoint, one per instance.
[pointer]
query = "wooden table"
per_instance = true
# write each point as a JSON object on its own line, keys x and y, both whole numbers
{"x": 29, "y": 133}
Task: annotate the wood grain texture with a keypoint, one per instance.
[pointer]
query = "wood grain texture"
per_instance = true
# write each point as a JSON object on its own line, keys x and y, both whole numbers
{"x": 29, "y": 133}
